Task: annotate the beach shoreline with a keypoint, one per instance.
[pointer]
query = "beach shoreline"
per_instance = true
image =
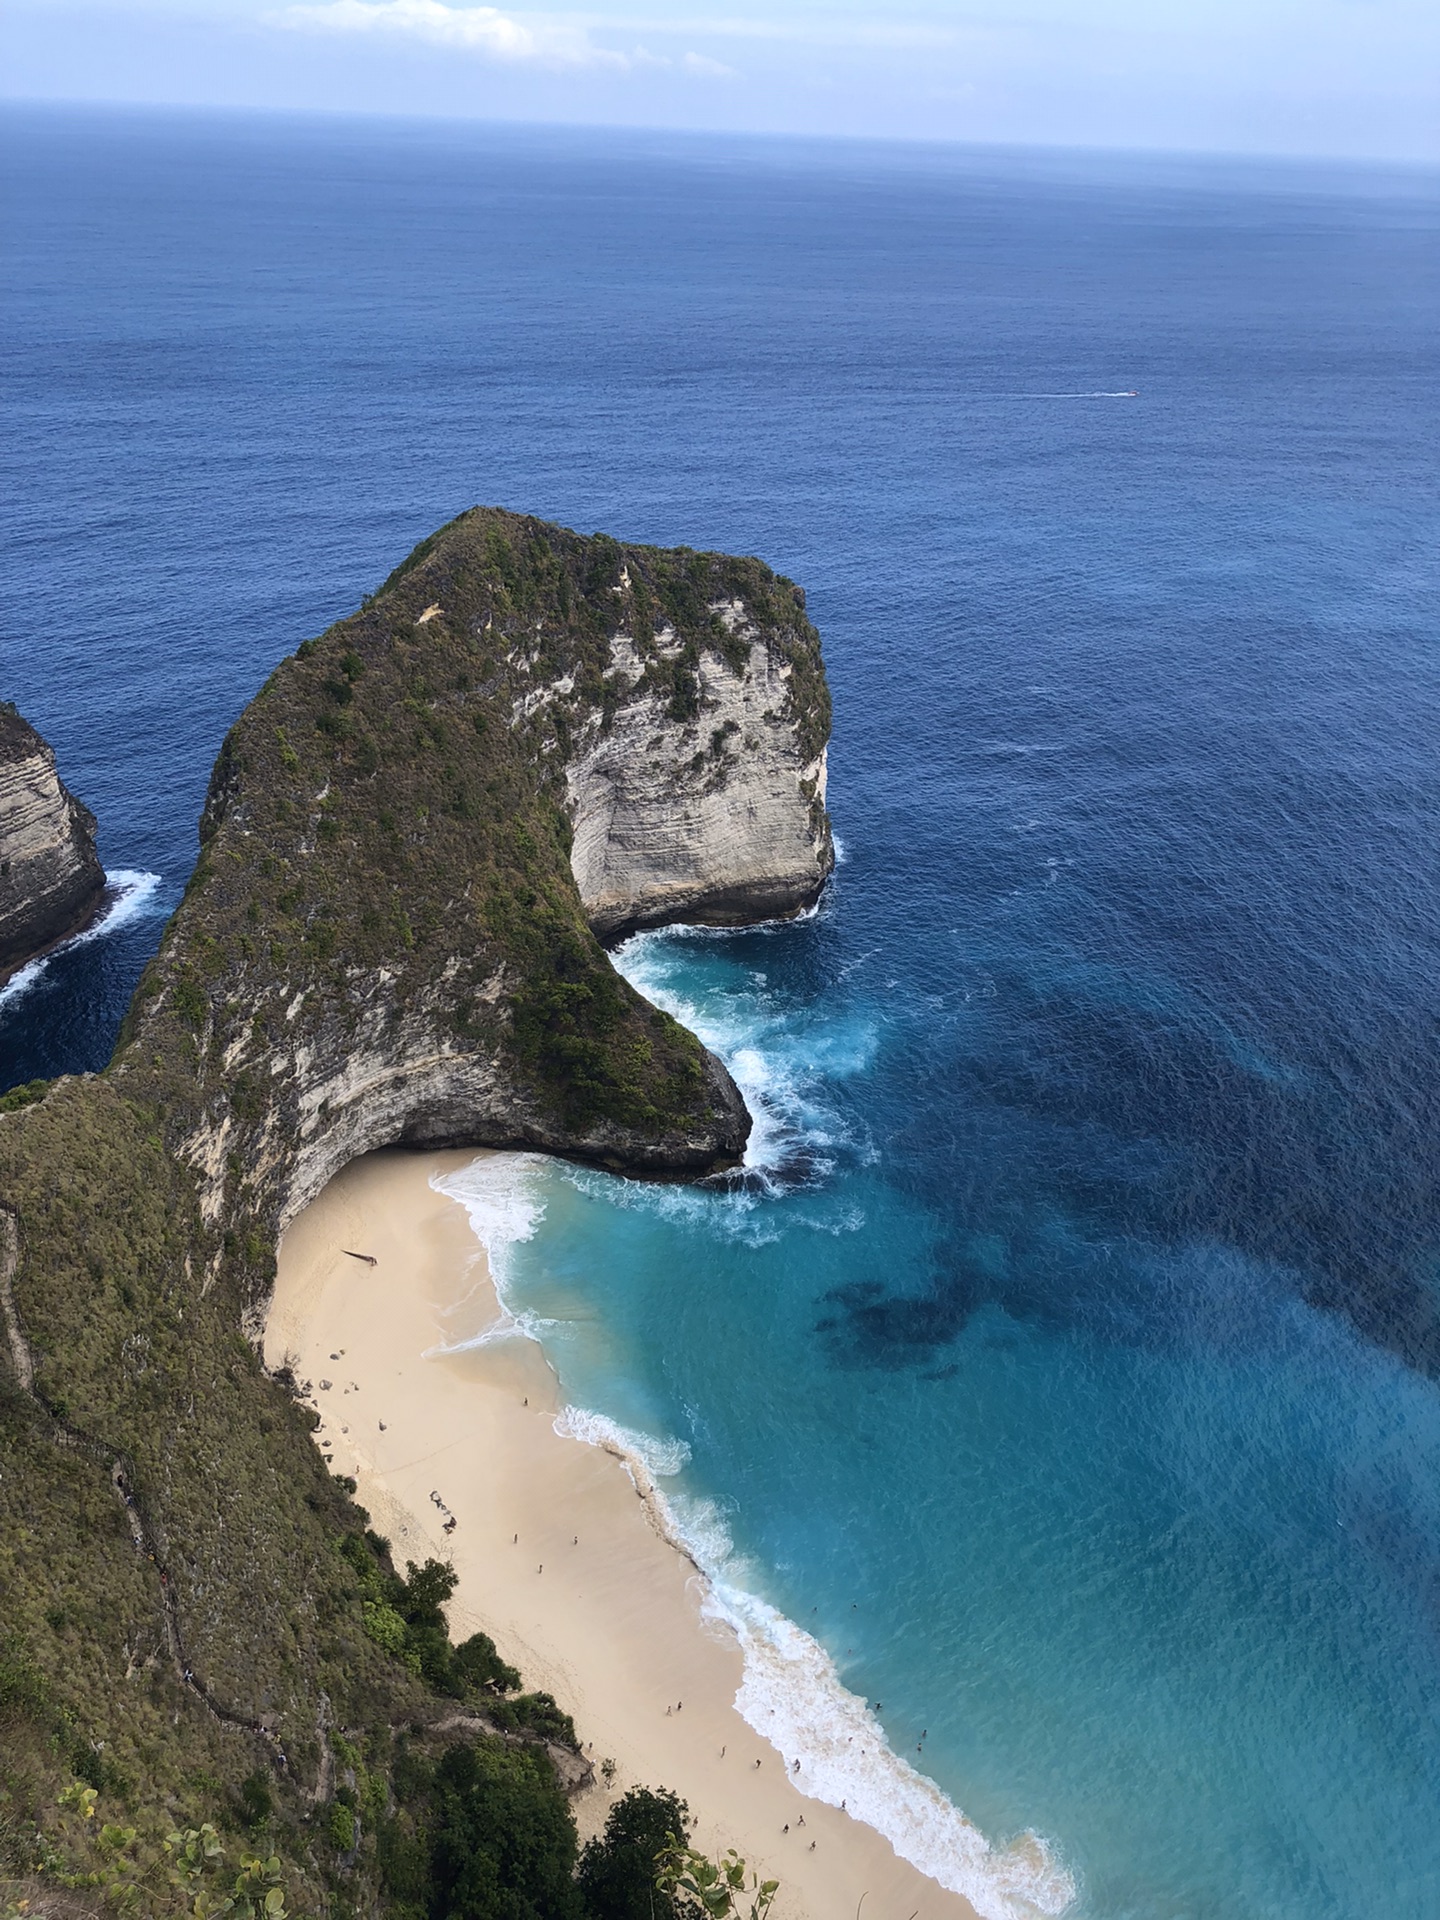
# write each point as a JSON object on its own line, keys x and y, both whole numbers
{"x": 562, "y": 1555}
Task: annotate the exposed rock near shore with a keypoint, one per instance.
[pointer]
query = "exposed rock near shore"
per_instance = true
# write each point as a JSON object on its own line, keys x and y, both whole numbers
{"x": 51, "y": 881}
{"x": 727, "y": 825}
{"x": 385, "y": 940}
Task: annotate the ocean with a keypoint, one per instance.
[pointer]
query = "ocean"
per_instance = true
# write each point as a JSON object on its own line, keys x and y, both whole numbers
{"x": 1059, "y": 1392}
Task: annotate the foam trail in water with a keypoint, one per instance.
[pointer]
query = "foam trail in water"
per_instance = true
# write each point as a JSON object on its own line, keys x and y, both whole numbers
{"x": 645, "y": 1458}
{"x": 792, "y": 1696}
{"x": 779, "y": 1068}
{"x": 129, "y": 896}
{"x": 498, "y": 1194}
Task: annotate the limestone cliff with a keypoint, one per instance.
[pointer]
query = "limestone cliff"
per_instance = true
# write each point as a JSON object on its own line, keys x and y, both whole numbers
{"x": 385, "y": 940}
{"x": 411, "y": 836}
{"x": 51, "y": 881}
{"x": 727, "y": 825}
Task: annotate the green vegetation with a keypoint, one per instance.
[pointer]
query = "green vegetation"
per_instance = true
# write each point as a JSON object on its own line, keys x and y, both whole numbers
{"x": 23, "y": 1096}
{"x": 197, "y": 1627}
{"x": 721, "y": 1888}
{"x": 484, "y": 1834}
{"x": 407, "y": 1618}
{"x": 618, "y": 1870}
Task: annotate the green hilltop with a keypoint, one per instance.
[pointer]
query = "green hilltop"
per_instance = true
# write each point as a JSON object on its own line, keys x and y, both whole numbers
{"x": 197, "y": 1628}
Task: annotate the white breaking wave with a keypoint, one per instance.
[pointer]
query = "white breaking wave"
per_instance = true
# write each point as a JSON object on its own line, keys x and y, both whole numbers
{"x": 782, "y": 1081}
{"x": 645, "y": 1458}
{"x": 792, "y": 1696}
{"x": 498, "y": 1196}
{"x": 131, "y": 896}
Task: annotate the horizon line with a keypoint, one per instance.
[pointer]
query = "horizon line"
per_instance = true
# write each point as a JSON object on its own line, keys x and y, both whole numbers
{"x": 792, "y": 136}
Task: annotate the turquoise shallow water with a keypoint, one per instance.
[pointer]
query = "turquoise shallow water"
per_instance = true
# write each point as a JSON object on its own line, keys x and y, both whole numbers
{"x": 1144, "y": 1588}
{"x": 1069, "y": 1366}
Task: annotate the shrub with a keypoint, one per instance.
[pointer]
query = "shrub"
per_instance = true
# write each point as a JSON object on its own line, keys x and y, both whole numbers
{"x": 478, "y": 1668}
{"x": 536, "y": 1713}
{"x": 386, "y": 1628}
{"x": 25, "y": 1096}
{"x": 255, "y": 1804}
{"x": 24, "y": 1694}
{"x": 505, "y": 1844}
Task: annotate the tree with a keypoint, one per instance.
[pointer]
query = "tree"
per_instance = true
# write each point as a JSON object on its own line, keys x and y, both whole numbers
{"x": 617, "y": 1869}
{"x": 504, "y": 1846}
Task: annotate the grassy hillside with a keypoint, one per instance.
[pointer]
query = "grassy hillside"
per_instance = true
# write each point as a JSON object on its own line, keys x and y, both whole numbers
{"x": 194, "y": 1626}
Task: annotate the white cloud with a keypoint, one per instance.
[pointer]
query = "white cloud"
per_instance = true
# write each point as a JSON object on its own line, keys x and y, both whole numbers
{"x": 702, "y": 63}
{"x": 483, "y": 30}
{"x": 488, "y": 31}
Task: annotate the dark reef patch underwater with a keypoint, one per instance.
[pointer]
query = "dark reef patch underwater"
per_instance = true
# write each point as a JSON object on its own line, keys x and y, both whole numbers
{"x": 1074, "y": 1375}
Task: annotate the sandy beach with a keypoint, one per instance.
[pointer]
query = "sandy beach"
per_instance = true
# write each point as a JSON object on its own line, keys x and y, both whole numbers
{"x": 559, "y": 1558}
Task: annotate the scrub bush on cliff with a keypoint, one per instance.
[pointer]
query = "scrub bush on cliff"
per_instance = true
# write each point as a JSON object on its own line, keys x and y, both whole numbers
{"x": 487, "y": 1834}
{"x": 407, "y": 1618}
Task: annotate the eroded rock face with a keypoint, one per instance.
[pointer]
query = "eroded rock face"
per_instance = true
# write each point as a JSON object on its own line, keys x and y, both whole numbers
{"x": 51, "y": 881}
{"x": 719, "y": 821}
{"x": 421, "y": 829}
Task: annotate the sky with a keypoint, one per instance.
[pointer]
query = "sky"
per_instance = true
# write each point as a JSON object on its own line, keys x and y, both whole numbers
{"x": 1346, "y": 78}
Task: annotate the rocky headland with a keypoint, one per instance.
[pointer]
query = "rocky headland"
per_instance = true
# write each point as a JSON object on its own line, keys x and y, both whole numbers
{"x": 51, "y": 880}
{"x": 416, "y": 838}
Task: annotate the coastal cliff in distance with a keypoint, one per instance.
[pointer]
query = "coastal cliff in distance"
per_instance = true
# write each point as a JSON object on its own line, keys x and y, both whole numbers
{"x": 414, "y": 838}
{"x": 51, "y": 880}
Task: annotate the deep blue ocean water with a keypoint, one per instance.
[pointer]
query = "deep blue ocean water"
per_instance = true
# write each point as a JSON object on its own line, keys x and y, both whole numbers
{"x": 1071, "y": 1370}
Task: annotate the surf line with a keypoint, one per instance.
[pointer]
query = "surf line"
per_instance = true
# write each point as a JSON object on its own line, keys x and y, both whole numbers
{"x": 128, "y": 895}
{"x": 791, "y": 1694}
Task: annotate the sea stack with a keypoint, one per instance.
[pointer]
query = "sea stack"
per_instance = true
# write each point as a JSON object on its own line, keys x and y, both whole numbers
{"x": 51, "y": 880}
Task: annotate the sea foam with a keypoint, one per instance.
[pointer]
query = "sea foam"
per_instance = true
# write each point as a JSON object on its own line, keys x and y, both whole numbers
{"x": 790, "y": 1693}
{"x": 504, "y": 1210}
{"x": 130, "y": 895}
{"x": 781, "y": 1069}
{"x": 834, "y": 1748}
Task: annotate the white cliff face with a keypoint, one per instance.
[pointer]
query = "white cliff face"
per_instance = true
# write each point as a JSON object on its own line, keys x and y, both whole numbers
{"x": 50, "y": 879}
{"x": 351, "y": 1071}
{"x": 720, "y": 821}
{"x": 382, "y": 944}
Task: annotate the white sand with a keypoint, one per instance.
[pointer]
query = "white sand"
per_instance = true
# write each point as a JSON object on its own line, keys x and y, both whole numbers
{"x": 592, "y": 1602}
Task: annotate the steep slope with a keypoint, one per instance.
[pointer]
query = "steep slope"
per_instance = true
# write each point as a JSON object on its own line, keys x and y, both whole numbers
{"x": 383, "y": 941}
{"x": 51, "y": 880}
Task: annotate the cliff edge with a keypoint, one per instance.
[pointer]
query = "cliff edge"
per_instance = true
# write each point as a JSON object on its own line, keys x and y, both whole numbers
{"x": 417, "y": 830}
{"x": 51, "y": 880}
{"x": 415, "y": 838}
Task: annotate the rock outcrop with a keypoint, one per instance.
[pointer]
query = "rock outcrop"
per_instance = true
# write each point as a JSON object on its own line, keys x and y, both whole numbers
{"x": 417, "y": 831}
{"x": 412, "y": 835}
{"x": 51, "y": 881}
{"x": 727, "y": 825}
